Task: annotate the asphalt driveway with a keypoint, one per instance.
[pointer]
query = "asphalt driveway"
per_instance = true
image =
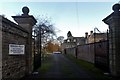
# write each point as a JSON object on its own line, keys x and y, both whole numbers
{"x": 63, "y": 68}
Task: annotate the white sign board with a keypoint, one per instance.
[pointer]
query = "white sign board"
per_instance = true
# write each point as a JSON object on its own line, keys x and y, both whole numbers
{"x": 16, "y": 49}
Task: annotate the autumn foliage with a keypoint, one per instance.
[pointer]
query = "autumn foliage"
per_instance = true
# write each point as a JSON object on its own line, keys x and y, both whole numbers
{"x": 51, "y": 47}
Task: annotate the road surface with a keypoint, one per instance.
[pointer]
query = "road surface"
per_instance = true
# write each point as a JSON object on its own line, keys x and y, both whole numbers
{"x": 63, "y": 68}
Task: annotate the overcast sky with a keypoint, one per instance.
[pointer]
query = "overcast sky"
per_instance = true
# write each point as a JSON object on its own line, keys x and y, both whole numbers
{"x": 77, "y": 17}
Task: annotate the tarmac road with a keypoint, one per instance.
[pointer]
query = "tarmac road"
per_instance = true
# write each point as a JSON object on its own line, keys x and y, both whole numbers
{"x": 63, "y": 68}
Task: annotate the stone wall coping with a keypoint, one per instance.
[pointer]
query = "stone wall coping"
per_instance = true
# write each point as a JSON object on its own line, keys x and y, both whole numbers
{"x": 26, "y": 16}
{"x": 13, "y": 24}
{"x": 105, "y": 20}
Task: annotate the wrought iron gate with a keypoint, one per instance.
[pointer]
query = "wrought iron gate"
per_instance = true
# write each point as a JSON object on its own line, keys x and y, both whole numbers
{"x": 101, "y": 50}
{"x": 36, "y": 48}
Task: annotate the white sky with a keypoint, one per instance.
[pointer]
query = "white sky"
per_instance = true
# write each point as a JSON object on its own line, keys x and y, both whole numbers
{"x": 77, "y": 17}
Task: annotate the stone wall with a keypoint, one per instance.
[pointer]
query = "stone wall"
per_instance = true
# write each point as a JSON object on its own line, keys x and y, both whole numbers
{"x": 0, "y": 47}
{"x": 71, "y": 51}
{"x": 88, "y": 53}
{"x": 13, "y": 66}
{"x": 113, "y": 21}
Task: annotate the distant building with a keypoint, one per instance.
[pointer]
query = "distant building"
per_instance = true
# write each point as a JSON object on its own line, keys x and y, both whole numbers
{"x": 95, "y": 37}
{"x": 72, "y": 41}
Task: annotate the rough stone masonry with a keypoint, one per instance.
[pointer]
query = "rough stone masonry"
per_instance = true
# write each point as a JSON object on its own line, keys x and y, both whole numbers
{"x": 16, "y": 66}
{"x": 113, "y": 20}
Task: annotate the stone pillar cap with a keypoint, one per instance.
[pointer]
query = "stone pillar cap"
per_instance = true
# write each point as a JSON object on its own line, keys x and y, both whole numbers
{"x": 25, "y": 11}
{"x": 25, "y": 17}
{"x": 116, "y": 7}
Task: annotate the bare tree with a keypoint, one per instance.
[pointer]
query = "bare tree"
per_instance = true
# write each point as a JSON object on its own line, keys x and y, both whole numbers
{"x": 47, "y": 30}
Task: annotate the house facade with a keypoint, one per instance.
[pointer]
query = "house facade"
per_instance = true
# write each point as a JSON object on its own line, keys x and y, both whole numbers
{"x": 95, "y": 37}
{"x": 72, "y": 41}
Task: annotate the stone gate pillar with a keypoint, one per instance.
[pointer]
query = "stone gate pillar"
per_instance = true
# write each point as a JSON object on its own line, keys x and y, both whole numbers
{"x": 113, "y": 20}
{"x": 27, "y": 22}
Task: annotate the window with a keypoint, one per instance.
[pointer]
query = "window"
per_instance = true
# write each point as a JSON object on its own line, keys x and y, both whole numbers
{"x": 74, "y": 40}
{"x": 68, "y": 40}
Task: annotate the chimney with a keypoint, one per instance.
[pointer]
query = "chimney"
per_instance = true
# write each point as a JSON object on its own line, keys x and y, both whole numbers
{"x": 86, "y": 34}
{"x": 91, "y": 32}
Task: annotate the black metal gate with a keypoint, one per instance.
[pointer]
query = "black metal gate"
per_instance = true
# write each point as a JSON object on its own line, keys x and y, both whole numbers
{"x": 101, "y": 50}
{"x": 37, "y": 48}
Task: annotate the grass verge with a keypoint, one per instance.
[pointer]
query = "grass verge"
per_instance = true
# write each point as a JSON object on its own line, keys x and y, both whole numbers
{"x": 46, "y": 64}
{"x": 90, "y": 68}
